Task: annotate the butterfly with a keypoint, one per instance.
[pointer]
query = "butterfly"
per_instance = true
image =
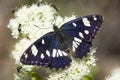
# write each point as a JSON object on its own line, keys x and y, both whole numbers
{"x": 52, "y": 49}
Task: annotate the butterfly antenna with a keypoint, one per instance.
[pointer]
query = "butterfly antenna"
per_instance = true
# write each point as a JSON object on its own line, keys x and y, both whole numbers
{"x": 42, "y": 28}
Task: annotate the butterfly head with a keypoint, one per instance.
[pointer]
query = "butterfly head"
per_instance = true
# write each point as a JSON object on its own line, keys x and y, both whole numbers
{"x": 55, "y": 28}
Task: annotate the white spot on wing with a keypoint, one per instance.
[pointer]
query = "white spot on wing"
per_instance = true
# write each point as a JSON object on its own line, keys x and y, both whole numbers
{"x": 42, "y": 56}
{"x": 73, "y": 48}
{"x": 26, "y": 55}
{"x": 43, "y": 42}
{"x": 36, "y": 62}
{"x": 81, "y": 35}
{"x": 34, "y": 50}
{"x": 94, "y": 17}
{"x": 60, "y": 53}
{"x": 47, "y": 52}
{"x": 64, "y": 53}
{"x": 57, "y": 54}
{"x": 74, "y": 24}
{"x": 86, "y": 22}
{"x": 77, "y": 39}
{"x": 75, "y": 45}
{"x": 32, "y": 61}
{"x": 86, "y": 31}
{"x": 54, "y": 53}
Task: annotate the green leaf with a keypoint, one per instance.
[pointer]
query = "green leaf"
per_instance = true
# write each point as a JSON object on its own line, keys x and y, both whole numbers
{"x": 86, "y": 78}
{"x": 34, "y": 75}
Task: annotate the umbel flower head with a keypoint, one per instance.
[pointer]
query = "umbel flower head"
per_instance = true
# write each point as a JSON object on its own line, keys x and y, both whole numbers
{"x": 115, "y": 75}
{"x": 23, "y": 28}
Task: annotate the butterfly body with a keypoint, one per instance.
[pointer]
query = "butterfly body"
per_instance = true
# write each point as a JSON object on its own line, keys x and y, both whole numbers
{"x": 62, "y": 38}
{"x": 52, "y": 49}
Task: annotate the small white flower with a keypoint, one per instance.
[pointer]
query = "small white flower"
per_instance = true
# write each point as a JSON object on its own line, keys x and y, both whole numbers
{"x": 115, "y": 75}
{"x": 16, "y": 77}
{"x": 66, "y": 19}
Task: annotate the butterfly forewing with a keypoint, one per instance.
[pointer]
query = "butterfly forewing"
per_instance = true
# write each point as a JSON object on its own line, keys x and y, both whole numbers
{"x": 81, "y": 32}
{"x": 86, "y": 26}
{"x": 38, "y": 53}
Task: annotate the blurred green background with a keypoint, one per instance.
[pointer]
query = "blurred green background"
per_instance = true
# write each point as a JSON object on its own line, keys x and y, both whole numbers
{"x": 107, "y": 40}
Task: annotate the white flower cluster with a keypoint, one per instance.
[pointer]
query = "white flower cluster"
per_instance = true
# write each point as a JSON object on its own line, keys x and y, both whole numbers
{"x": 115, "y": 75}
{"x": 28, "y": 17}
{"x": 44, "y": 16}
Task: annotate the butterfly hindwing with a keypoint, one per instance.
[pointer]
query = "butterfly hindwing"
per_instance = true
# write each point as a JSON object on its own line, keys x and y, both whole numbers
{"x": 81, "y": 32}
{"x": 46, "y": 52}
{"x": 60, "y": 58}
